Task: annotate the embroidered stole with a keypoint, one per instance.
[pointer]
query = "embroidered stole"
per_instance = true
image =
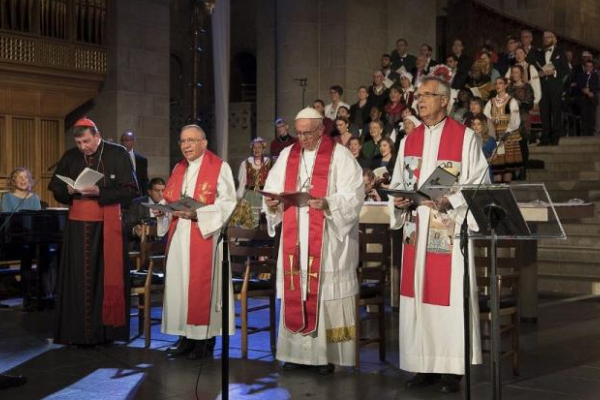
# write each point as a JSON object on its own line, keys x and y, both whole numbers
{"x": 302, "y": 316}
{"x": 201, "y": 250}
{"x": 438, "y": 259}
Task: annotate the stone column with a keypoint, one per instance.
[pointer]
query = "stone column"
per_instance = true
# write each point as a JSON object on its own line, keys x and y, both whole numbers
{"x": 136, "y": 94}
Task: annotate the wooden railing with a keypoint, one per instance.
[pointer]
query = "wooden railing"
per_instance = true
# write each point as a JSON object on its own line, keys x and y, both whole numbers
{"x": 81, "y": 21}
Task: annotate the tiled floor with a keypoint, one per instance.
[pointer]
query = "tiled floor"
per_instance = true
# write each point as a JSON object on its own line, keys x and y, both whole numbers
{"x": 560, "y": 360}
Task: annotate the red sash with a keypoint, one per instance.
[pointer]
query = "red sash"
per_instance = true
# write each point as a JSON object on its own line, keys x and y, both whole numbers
{"x": 438, "y": 264}
{"x": 302, "y": 316}
{"x": 113, "y": 298}
{"x": 201, "y": 250}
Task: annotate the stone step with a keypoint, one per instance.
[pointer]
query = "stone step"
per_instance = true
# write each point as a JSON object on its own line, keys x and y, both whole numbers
{"x": 573, "y": 240}
{"x": 575, "y": 141}
{"x": 570, "y": 166}
{"x": 566, "y": 287}
{"x": 543, "y": 175}
{"x": 577, "y": 157}
{"x": 574, "y": 185}
{"x": 577, "y": 228}
{"x": 573, "y": 149}
{"x": 569, "y": 269}
{"x": 566, "y": 195}
{"x": 563, "y": 254}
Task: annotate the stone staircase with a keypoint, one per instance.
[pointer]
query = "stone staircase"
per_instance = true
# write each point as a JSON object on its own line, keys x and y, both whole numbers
{"x": 572, "y": 170}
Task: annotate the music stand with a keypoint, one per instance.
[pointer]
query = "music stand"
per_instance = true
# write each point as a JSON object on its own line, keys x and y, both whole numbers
{"x": 498, "y": 211}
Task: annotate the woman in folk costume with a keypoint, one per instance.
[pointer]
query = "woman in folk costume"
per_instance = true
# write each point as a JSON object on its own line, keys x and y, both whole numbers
{"x": 431, "y": 290}
{"x": 252, "y": 176}
{"x": 318, "y": 255}
{"x": 504, "y": 112}
{"x": 192, "y": 302}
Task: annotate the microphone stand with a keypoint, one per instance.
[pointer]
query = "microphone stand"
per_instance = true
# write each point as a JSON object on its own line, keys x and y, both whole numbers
{"x": 224, "y": 237}
{"x": 464, "y": 246}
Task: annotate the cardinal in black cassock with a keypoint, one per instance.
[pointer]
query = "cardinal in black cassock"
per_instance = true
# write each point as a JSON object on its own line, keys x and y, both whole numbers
{"x": 93, "y": 282}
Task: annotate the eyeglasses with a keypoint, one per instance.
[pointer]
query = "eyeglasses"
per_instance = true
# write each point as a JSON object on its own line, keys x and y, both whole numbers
{"x": 307, "y": 133}
{"x": 427, "y": 95}
{"x": 190, "y": 141}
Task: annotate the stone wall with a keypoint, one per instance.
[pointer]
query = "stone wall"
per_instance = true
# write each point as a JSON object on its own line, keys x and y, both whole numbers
{"x": 135, "y": 96}
{"x": 329, "y": 42}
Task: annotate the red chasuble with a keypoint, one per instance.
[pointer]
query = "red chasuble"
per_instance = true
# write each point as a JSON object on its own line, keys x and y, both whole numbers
{"x": 438, "y": 259}
{"x": 201, "y": 250}
{"x": 301, "y": 316}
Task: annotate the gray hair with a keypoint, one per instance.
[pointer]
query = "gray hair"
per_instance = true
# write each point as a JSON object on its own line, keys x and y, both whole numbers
{"x": 443, "y": 87}
{"x": 196, "y": 128}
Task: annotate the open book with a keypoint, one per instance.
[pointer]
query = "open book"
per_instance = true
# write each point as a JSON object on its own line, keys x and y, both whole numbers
{"x": 434, "y": 188}
{"x": 183, "y": 204}
{"x": 87, "y": 178}
{"x": 297, "y": 199}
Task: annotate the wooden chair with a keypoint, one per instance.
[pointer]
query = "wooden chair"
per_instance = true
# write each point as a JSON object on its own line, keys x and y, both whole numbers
{"x": 374, "y": 263}
{"x": 152, "y": 282}
{"x": 253, "y": 264}
{"x": 508, "y": 288}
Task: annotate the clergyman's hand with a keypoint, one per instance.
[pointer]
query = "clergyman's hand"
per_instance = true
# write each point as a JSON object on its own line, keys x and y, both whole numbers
{"x": 90, "y": 191}
{"x": 319, "y": 204}
{"x": 402, "y": 203}
{"x": 271, "y": 202}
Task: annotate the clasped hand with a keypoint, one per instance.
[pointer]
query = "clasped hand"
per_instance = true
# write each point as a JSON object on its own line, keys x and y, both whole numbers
{"x": 317, "y": 204}
{"x": 89, "y": 191}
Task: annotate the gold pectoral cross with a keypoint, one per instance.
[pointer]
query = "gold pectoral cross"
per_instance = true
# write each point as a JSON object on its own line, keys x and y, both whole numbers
{"x": 315, "y": 275}
{"x": 291, "y": 272}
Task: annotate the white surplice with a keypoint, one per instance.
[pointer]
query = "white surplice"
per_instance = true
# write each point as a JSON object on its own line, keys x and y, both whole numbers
{"x": 339, "y": 283}
{"x": 210, "y": 220}
{"x": 432, "y": 336}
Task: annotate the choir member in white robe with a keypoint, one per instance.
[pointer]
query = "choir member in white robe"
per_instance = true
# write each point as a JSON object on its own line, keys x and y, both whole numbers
{"x": 193, "y": 239}
{"x": 431, "y": 293}
{"x": 327, "y": 337}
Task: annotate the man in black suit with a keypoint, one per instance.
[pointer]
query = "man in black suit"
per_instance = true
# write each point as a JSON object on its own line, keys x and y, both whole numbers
{"x": 588, "y": 84}
{"x": 388, "y": 71}
{"x": 507, "y": 59}
{"x": 464, "y": 61}
{"x": 553, "y": 69}
{"x": 401, "y": 58}
{"x": 527, "y": 45}
{"x": 426, "y": 51}
{"x": 459, "y": 78}
{"x": 139, "y": 214}
{"x": 139, "y": 162}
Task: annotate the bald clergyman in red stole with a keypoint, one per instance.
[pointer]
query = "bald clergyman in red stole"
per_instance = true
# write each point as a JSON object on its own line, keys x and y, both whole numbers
{"x": 318, "y": 255}
{"x": 192, "y": 305}
{"x": 431, "y": 289}
{"x": 93, "y": 280}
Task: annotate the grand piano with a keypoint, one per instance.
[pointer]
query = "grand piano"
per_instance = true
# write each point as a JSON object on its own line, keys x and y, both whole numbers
{"x": 41, "y": 231}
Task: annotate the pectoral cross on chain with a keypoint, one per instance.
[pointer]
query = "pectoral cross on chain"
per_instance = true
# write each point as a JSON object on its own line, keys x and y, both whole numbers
{"x": 315, "y": 275}
{"x": 291, "y": 272}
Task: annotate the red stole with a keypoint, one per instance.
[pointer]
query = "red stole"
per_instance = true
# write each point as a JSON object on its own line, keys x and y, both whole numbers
{"x": 302, "y": 316}
{"x": 113, "y": 297}
{"x": 438, "y": 259}
{"x": 201, "y": 250}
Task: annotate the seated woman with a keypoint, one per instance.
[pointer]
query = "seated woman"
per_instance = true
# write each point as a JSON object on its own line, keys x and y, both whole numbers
{"x": 370, "y": 149}
{"x": 480, "y": 127}
{"x": 20, "y": 197}
{"x": 385, "y": 159}
{"x": 341, "y": 124}
{"x": 355, "y": 148}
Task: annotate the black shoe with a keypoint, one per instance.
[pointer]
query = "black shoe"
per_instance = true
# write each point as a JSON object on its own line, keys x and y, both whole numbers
{"x": 9, "y": 381}
{"x": 450, "y": 383}
{"x": 422, "y": 380}
{"x": 184, "y": 347}
{"x": 289, "y": 366}
{"x": 325, "y": 369}
{"x": 202, "y": 349}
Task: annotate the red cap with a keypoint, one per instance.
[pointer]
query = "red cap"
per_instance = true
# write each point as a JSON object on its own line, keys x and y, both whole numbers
{"x": 85, "y": 122}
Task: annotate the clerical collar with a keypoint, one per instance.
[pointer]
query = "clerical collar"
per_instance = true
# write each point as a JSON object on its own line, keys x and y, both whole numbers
{"x": 197, "y": 161}
{"x": 434, "y": 126}
{"x": 283, "y": 138}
